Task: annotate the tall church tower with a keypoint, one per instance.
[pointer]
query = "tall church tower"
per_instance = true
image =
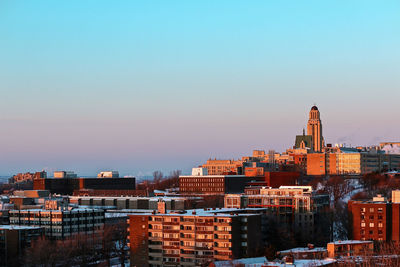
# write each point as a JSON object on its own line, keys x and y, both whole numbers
{"x": 314, "y": 128}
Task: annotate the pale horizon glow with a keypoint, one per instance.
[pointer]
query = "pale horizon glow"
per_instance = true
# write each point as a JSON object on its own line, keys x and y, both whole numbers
{"x": 138, "y": 86}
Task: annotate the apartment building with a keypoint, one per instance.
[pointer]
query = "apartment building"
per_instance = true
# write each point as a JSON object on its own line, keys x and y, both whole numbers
{"x": 377, "y": 219}
{"x": 60, "y": 223}
{"x": 193, "y": 237}
{"x": 295, "y": 206}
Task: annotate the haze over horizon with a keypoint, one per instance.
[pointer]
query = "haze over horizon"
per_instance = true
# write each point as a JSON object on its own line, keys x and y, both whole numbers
{"x": 136, "y": 86}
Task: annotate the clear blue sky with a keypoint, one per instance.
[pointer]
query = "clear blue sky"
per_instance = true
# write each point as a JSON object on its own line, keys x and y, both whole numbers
{"x": 143, "y": 85}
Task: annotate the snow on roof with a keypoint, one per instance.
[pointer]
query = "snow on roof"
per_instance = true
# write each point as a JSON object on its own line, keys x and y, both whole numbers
{"x": 350, "y": 242}
{"x": 262, "y": 261}
{"x": 18, "y": 227}
{"x": 220, "y": 212}
{"x": 253, "y": 262}
{"x": 305, "y": 249}
{"x": 303, "y": 263}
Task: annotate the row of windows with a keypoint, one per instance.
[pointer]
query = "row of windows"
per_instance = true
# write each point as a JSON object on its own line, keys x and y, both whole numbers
{"x": 371, "y": 224}
{"x": 371, "y": 209}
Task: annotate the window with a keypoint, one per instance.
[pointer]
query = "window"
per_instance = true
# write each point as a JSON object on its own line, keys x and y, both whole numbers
{"x": 371, "y": 224}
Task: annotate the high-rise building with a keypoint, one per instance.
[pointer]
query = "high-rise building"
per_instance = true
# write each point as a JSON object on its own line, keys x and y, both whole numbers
{"x": 314, "y": 128}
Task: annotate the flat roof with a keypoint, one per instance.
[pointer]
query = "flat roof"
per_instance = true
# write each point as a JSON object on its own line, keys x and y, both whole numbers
{"x": 221, "y": 212}
{"x": 66, "y": 210}
{"x": 130, "y": 198}
{"x": 212, "y": 176}
{"x": 18, "y": 227}
{"x": 304, "y": 249}
{"x": 349, "y": 242}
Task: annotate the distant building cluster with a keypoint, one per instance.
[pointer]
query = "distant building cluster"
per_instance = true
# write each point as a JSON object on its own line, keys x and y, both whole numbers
{"x": 267, "y": 209}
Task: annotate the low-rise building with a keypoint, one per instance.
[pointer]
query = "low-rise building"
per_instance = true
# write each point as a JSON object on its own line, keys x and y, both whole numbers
{"x": 348, "y": 248}
{"x": 60, "y": 223}
{"x": 67, "y": 186}
{"x": 212, "y": 184}
{"x": 121, "y": 203}
{"x": 309, "y": 252}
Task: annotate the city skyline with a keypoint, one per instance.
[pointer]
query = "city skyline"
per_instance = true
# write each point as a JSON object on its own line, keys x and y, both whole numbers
{"x": 138, "y": 87}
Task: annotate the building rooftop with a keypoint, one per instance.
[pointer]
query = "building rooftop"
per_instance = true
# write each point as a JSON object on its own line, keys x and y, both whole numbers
{"x": 18, "y": 227}
{"x": 262, "y": 261}
{"x": 165, "y": 198}
{"x": 213, "y": 176}
{"x": 220, "y": 212}
{"x": 304, "y": 249}
{"x": 303, "y": 263}
{"x": 247, "y": 262}
{"x": 66, "y": 210}
{"x": 350, "y": 242}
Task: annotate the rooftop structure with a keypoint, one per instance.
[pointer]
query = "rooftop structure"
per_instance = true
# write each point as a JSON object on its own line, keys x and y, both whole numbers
{"x": 108, "y": 174}
{"x": 64, "y": 174}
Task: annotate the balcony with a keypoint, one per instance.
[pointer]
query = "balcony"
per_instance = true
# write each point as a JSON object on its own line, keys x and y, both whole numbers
{"x": 171, "y": 247}
{"x": 204, "y": 223}
{"x": 210, "y": 232}
{"x": 187, "y": 230}
{"x": 171, "y": 223}
{"x": 222, "y": 223}
{"x": 204, "y": 248}
{"x": 206, "y": 240}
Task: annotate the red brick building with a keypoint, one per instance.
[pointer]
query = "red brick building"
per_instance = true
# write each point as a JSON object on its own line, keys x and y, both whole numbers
{"x": 377, "y": 219}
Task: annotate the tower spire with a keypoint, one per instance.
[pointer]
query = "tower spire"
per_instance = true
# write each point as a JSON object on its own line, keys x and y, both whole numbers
{"x": 314, "y": 128}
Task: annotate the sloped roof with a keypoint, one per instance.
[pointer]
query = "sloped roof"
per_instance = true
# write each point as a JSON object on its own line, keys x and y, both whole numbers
{"x": 306, "y": 138}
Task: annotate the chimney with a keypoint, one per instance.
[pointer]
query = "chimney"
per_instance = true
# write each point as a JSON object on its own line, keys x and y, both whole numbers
{"x": 161, "y": 206}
